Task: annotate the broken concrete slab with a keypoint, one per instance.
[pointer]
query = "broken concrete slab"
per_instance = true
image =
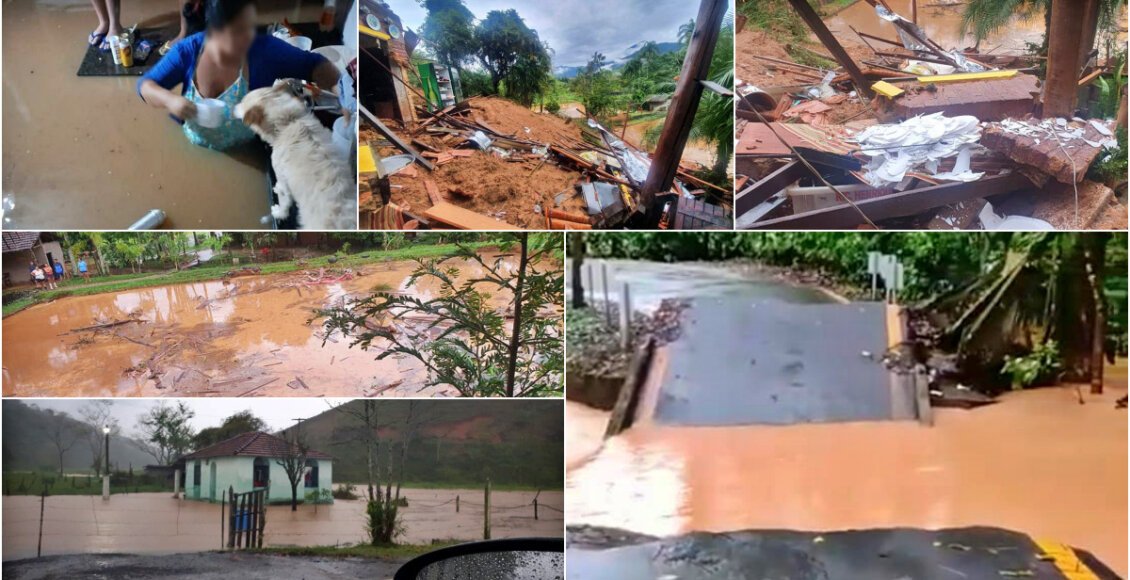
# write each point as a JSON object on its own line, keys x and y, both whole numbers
{"x": 1065, "y": 159}
{"x": 988, "y": 100}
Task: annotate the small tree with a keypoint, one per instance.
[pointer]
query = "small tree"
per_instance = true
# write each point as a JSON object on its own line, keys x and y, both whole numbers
{"x": 62, "y": 434}
{"x": 475, "y": 351}
{"x": 293, "y": 462}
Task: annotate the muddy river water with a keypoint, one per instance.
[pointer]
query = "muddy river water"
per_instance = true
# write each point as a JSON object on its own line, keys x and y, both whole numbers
{"x": 1037, "y": 462}
{"x": 86, "y": 152}
{"x": 250, "y": 336}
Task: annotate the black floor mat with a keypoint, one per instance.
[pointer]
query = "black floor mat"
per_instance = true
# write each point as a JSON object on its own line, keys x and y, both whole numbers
{"x": 101, "y": 64}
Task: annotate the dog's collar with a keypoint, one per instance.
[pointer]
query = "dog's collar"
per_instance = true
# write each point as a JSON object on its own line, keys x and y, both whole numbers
{"x": 315, "y": 98}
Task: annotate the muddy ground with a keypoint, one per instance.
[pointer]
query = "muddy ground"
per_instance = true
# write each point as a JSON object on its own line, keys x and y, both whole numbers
{"x": 247, "y": 336}
{"x": 206, "y": 566}
{"x": 155, "y": 523}
{"x": 1036, "y": 462}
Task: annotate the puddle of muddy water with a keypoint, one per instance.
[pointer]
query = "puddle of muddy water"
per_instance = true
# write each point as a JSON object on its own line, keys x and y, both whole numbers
{"x": 86, "y": 152}
{"x": 941, "y": 24}
{"x": 1037, "y": 463}
{"x": 652, "y": 282}
{"x": 252, "y": 335}
{"x": 154, "y": 523}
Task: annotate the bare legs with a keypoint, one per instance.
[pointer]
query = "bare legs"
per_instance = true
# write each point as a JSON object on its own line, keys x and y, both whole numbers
{"x": 109, "y": 18}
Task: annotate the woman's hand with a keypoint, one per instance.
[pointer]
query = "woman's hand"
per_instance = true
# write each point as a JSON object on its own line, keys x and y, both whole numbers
{"x": 181, "y": 108}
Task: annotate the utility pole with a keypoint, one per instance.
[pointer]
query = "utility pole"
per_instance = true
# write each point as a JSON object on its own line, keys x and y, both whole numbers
{"x": 684, "y": 105}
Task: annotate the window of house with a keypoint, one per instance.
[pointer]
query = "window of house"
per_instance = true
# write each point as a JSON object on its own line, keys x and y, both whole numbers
{"x": 312, "y": 474}
{"x": 196, "y": 473}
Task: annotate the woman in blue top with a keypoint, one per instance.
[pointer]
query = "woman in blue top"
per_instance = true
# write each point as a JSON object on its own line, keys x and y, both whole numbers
{"x": 226, "y": 62}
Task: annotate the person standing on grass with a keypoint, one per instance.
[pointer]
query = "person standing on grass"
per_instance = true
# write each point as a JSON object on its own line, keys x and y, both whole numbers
{"x": 58, "y": 272}
{"x": 82, "y": 269}
{"x": 37, "y": 276}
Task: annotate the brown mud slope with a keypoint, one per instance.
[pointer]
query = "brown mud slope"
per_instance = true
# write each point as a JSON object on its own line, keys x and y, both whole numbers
{"x": 504, "y": 189}
{"x": 248, "y": 336}
{"x": 1037, "y": 462}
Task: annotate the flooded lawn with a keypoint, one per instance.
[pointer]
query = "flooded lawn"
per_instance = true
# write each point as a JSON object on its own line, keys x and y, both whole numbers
{"x": 86, "y": 152}
{"x": 155, "y": 523}
{"x": 1037, "y": 462}
{"x": 249, "y": 336}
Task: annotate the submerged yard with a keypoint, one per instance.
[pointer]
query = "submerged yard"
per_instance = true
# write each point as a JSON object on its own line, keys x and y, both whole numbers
{"x": 218, "y": 331}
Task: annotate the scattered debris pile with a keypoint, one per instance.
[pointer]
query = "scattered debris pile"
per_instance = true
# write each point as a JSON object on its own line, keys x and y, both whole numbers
{"x": 489, "y": 163}
{"x": 942, "y": 132}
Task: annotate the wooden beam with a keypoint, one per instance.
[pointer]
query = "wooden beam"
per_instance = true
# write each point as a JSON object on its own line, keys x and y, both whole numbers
{"x": 684, "y": 105}
{"x": 902, "y": 204}
{"x": 754, "y": 195}
{"x": 400, "y": 144}
{"x": 814, "y": 22}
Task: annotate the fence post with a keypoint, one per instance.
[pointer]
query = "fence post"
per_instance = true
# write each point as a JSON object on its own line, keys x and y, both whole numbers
{"x": 262, "y": 517}
{"x": 625, "y": 317}
{"x": 486, "y": 511}
{"x": 176, "y": 485}
{"x": 535, "y": 507}
{"x": 42, "y": 500}
{"x": 456, "y": 504}
{"x": 589, "y": 286}
{"x": 231, "y": 517}
{"x": 604, "y": 283}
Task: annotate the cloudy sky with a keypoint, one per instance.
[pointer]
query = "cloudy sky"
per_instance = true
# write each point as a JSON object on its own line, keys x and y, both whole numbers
{"x": 577, "y": 28}
{"x": 210, "y": 412}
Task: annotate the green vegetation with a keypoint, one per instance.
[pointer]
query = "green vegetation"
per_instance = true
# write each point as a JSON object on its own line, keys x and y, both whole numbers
{"x": 479, "y": 351}
{"x": 216, "y": 269}
{"x": 380, "y": 552}
{"x": 1042, "y": 364}
{"x": 775, "y": 16}
{"x": 994, "y": 294}
{"x": 982, "y": 18}
{"x": 33, "y": 483}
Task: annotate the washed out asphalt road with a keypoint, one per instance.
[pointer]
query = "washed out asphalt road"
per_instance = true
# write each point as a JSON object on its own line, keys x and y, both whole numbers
{"x": 198, "y": 566}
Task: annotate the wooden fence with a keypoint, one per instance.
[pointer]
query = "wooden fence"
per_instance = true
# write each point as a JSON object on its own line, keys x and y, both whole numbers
{"x": 247, "y": 516}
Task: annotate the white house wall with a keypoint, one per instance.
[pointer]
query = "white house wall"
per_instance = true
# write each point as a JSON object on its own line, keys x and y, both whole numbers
{"x": 236, "y": 472}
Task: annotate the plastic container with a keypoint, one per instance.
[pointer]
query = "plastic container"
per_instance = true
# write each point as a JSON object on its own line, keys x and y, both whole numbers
{"x": 302, "y": 42}
{"x": 342, "y": 137}
{"x": 210, "y": 113}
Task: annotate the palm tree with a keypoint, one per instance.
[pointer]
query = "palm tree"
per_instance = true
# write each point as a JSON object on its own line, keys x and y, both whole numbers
{"x": 982, "y": 18}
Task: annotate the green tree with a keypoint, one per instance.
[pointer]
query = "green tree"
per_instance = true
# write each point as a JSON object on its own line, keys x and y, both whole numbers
{"x": 449, "y": 30}
{"x": 237, "y": 424}
{"x": 165, "y": 432}
{"x": 529, "y": 77}
{"x": 596, "y": 87}
{"x": 504, "y": 39}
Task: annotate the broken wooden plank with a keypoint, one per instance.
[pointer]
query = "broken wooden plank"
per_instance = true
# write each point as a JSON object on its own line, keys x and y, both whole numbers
{"x": 757, "y": 193}
{"x": 433, "y": 192}
{"x": 400, "y": 144}
{"x": 465, "y": 219}
{"x": 902, "y": 204}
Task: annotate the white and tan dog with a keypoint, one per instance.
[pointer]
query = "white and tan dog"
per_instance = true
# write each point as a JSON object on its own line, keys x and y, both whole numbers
{"x": 310, "y": 172}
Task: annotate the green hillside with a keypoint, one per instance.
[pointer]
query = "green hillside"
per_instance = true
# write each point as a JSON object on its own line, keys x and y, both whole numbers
{"x": 28, "y": 446}
{"x": 514, "y": 443}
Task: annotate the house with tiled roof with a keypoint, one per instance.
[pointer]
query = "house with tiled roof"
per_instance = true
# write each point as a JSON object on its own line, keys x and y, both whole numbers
{"x": 252, "y": 461}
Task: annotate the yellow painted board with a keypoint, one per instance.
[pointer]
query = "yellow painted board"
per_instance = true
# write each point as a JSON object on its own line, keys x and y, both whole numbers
{"x": 979, "y": 76}
{"x": 374, "y": 33}
{"x": 886, "y": 89}
{"x": 1064, "y": 558}
{"x": 365, "y": 161}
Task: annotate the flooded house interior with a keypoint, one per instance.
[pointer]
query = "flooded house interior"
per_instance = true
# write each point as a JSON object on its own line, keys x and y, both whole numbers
{"x": 86, "y": 152}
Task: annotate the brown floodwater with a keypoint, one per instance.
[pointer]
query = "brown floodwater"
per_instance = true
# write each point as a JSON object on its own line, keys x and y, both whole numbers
{"x": 1037, "y": 462}
{"x": 942, "y": 24}
{"x": 155, "y": 523}
{"x": 250, "y": 336}
{"x": 86, "y": 152}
